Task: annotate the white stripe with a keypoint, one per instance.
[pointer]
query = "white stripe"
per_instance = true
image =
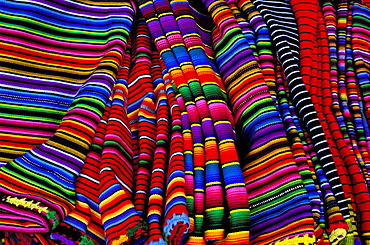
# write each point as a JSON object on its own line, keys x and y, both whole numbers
{"x": 317, "y": 135}
{"x": 310, "y": 113}
{"x": 299, "y": 94}
{"x": 91, "y": 179}
{"x": 304, "y": 107}
{"x": 137, "y": 79}
{"x": 312, "y": 120}
{"x": 51, "y": 162}
{"x": 315, "y": 128}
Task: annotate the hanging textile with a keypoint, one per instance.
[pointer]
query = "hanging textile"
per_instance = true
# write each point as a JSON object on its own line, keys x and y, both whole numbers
{"x": 166, "y": 122}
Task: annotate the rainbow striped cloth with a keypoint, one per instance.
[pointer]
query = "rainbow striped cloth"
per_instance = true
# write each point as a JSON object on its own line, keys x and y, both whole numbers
{"x": 168, "y": 122}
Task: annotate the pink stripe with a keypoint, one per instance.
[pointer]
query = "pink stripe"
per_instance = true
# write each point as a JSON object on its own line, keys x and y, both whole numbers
{"x": 199, "y": 200}
{"x": 237, "y": 197}
{"x": 15, "y": 122}
{"x": 26, "y": 131}
{"x": 92, "y": 121}
{"x": 214, "y": 195}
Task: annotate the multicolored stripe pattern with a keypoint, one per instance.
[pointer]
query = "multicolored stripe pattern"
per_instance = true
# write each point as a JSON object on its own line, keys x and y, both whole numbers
{"x": 249, "y": 93}
{"x": 168, "y": 122}
{"x": 68, "y": 55}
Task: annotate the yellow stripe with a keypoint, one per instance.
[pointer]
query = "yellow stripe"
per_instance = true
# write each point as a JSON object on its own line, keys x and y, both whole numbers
{"x": 235, "y": 185}
{"x": 226, "y": 141}
{"x": 212, "y": 161}
{"x": 215, "y": 101}
{"x": 166, "y": 14}
{"x": 240, "y": 210}
{"x": 213, "y": 183}
{"x": 230, "y": 164}
{"x": 67, "y": 149}
{"x": 213, "y": 209}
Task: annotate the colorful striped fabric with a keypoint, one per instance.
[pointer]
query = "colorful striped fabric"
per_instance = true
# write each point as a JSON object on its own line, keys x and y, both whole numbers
{"x": 285, "y": 37}
{"x": 169, "y": 122}
{"x": 344, "y": 158}
{"x": 174, "y": 50}
{"x": 256, "y": 116}
{"x": 74, "y": 49}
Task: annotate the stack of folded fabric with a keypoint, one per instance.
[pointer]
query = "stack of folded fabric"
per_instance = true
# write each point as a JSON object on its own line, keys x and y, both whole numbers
{"x": 168, "y": 122}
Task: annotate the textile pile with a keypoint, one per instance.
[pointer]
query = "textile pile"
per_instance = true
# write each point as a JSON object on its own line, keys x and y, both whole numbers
{"x": 168, "y": 122}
